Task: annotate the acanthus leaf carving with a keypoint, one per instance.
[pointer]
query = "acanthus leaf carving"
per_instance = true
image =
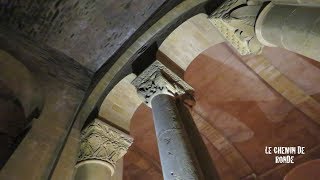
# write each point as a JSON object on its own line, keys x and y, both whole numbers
{"x": 235, "y": 19}
{"x": 157, "y": 79}
{"x": 100, "y": 141}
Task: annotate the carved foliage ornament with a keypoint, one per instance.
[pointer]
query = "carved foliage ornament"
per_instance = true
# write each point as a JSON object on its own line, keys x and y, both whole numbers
{"x": 235, "y": 19}
{"x": 157, "y": 79}
{"x": 102, "y": 142}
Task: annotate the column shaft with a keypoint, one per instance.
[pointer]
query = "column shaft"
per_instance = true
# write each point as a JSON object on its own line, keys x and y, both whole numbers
{"x": 177, "y": 156}
{"x": 296, "y": 28}
{"x": 290, "y": 2}
{"x": 95, "y": 169}
{"x": 298, "y": 2}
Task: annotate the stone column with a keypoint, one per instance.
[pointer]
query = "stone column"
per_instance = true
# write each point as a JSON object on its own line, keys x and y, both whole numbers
{"x": 102, "y": 146}
{"x": 295, "y": 28}
{"x": 177, "y": 157}
{"x": 235, "y": 21}
{"x": 298, "y": 2}
{"x": 159, "y": 88}
{"x": 249, "y": 26}
{"x": 293, "y": 2}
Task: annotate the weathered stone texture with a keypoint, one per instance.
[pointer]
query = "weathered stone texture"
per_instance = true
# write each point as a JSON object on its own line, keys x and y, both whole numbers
{"x": 189, "y": 40}
{"x": 158, "y": 79}
{"x": 100, "y": 141}
{"x": 90, "y": 31}
{"x": 120, "y": 104}
{"x": 235, "y": 20}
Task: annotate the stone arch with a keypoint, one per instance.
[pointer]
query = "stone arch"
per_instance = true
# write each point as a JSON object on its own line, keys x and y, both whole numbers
{"x": 189, "y": 40}
{"x": 21, "y": 81}
{"x": 107, "y": 132}
{"x": 120, "y": 104}
{"x": 20, "y": 102}
{"x": 13, "y": 123}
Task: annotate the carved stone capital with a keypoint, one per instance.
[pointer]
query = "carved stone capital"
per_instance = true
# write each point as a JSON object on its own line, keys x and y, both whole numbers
{"x": 235, "y": 19}
{"x": 157, "y": 79}
{"x": 102, "y": 142}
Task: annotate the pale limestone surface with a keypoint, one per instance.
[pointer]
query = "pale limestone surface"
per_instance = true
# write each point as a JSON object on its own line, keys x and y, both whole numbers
{"x": 190, "y": 39}
{"x": 121, "y": 103}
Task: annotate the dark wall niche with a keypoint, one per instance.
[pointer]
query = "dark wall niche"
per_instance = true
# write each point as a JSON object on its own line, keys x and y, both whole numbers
{"x": 63, "y": 83}
{"x": 212, "y": 5}
{"x": 147, "y": 57}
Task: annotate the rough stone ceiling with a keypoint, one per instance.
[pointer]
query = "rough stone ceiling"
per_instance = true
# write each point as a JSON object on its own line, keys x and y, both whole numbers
{"x": 236, "y": 105}
{"x": 89, "y": 31}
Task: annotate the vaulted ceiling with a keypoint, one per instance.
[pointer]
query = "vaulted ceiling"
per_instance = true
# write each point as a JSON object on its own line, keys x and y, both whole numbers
{"x": 237, "y": 110}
